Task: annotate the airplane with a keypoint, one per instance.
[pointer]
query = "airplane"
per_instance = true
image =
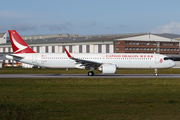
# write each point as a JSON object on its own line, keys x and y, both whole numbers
{"x": 107, "y": 63}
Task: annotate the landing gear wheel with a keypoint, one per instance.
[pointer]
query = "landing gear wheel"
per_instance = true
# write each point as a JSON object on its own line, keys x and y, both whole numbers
{"x": 156, "y": 74}
{"x": 90, "y": 73}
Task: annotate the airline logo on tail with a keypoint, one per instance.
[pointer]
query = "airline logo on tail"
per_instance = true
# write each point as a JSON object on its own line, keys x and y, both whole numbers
{"x": 18, "y": 44}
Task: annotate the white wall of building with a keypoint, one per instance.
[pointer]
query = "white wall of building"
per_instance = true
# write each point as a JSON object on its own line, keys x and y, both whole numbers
{"x": 60, "y": 49}
{"x": 103, "y": 48}
{"x": 83, "y": 48}
{"x": 56, "y": 49}
{"x": 43, "y": 49}
{"x": 111, "y": 49}
{"x": 3, "y": 39}
{"x": 76, "y": 49}
{"x": 49, "y": 49}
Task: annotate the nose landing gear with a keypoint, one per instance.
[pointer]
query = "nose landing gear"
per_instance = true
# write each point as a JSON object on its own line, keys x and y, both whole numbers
{"x": 155, "y": 72}
{"x": 90, "y": 73}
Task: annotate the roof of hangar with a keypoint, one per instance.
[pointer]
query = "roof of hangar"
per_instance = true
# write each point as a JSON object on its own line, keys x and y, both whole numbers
{"x": 168, "y": 35}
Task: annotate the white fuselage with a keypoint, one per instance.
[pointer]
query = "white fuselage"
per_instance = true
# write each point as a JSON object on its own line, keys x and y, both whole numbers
{"x": 121, "y": 60}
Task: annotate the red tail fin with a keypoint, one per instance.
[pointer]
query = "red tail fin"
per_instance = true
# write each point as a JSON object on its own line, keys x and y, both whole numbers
{"x": 18, "y": 44}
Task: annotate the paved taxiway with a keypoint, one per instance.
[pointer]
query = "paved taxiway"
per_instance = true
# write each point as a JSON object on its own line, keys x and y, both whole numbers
{"x": 85, "y": 76}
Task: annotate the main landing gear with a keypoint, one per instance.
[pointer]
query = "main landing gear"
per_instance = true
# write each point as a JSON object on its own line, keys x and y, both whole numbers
{"x": 90, "y": 73}
{"x": 155, "y": 72}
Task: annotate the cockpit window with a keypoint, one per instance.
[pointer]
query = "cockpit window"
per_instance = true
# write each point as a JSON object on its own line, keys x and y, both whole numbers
{"x": 167, "y": 58}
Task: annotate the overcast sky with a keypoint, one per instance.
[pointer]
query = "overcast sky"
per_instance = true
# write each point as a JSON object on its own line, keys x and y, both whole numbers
{"x": 90, "y": 17}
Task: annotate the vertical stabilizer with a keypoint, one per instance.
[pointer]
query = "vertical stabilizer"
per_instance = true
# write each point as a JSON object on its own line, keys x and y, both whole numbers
{"x": 18, "y": 44}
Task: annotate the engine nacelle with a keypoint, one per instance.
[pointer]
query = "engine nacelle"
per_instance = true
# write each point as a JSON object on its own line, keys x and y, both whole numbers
{"x": 108, "y": 69}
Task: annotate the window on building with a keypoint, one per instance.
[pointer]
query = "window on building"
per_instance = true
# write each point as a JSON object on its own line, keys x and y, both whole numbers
{"x": 117, "y": 48}
{"x": 171, "y": 49}
{"x": 174, "y": 44}
{"x": 151, "y": 49}
{"x": 167, "y": 49}
{"x": 87, "y": 49}
{"x": 125, "y": 48}
{"x": 47, "y": 49}
{"x": 80, "y": 48}
{"x": 53, "y": 49}
{"x": 107, "y": 48}
{"x": 157, "y": 49}
{"x": 147, "y": 43}
{"x": 164, "y": 49}
{"x": 161, "y": 49}
{"x": 167, "y": 44}
{"x": 130, "y": 48}
{"x": 157, "y": 44}
{"x": 171, "y": 44}
{"x": 126, "y": 43}
{"x": 133, "y": 48}
{"x": 144, "y": 43}
{"x": 151, "y": 43}
{"x": 117, "y": 43}
{"x": 133, "y": 43}
{"x": 177, "y": 49}
{"x": 154, "y": 49}
{"x": 140, "y": 43}
{"x": 140, "y": 48}
{"x": 177, "y": 44}
{"x": 137, "y": 48}
{"x": 174, "y": 49}
{"x": 99, "y": 48}
{"x": 164, "y": 44}
{"x": 144, "y": 48}
{"x": 63, "y": 48}
{"x": 70, "y": 48}
{"x": 154, "y": 43}
{"x": 9, "y": 49}
{"x": 147, "y": 49}
{"x": 37, "y": 49}
{"x": 130, "y": 43}
{"x": 161, "y": 44}
{"x": 137, "y": 43}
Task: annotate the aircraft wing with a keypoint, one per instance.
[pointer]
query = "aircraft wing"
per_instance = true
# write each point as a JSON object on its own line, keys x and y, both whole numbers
{"x": 84, "y": 62}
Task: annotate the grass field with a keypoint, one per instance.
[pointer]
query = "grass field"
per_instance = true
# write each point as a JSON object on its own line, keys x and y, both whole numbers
{"x": 78, "y": 71}
{"x": 111, "y": 99}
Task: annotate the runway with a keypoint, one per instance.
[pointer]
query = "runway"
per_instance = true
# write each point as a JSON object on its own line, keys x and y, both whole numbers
{"x": 86, "y": 76}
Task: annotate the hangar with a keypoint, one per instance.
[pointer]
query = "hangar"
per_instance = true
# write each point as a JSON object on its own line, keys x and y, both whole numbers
{"x": 167, "y": 44}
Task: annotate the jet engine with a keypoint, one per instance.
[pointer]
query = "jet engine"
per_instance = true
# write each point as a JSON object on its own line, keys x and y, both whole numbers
{"x": 108, "y": 69}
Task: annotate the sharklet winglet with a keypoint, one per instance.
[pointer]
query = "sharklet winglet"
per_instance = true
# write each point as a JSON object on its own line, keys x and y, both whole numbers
{"x": 67, "y": 53}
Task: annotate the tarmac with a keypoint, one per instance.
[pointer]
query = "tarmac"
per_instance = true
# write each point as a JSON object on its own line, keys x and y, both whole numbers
{"x": 86, "y": 76}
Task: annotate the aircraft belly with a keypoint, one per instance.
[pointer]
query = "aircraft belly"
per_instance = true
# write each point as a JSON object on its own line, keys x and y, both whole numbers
{"x": 136, "y": 64}
{"x": 57, "y": 64}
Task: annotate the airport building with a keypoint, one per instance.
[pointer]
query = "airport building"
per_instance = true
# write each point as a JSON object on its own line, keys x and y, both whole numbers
{"x": 3, "y": 38}
{"x": 152, "y": 43}
{"x": 167, "y": 44}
